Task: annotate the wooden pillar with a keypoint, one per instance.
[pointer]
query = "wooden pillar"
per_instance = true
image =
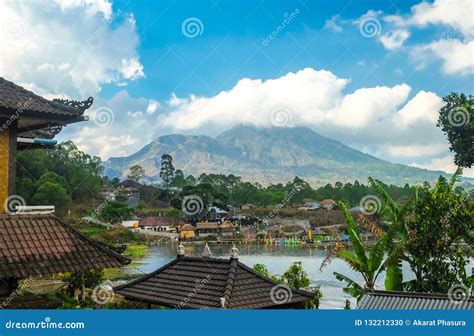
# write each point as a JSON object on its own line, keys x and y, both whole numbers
{"x": 8, "y": 145}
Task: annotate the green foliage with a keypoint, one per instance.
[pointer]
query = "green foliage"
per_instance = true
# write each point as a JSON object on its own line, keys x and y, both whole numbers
{"x": 296, "y": 276}
{"x": 79, "y": 174}
{"x": 456, "y": 119}
{"x": 115, "y": 212}
{"x": 439, "y": 244}
{"x": 167, "y": 170}
{"x": 136, "y": 173}
{"x": 49, "y": 193}
{"x": 118, "y": 235}
{"x": 262, "y": 269}
{"x": 368, "y": 264}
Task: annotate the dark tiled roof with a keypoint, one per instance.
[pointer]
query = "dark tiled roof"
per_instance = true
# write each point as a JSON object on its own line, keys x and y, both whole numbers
{"x": 14, "y": 97}
{"x": 43, "y": 244}
{"x": 201, "y": 282}
{"x": 407, "y": 300}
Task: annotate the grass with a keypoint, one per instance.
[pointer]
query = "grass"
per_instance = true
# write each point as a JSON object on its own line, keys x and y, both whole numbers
{"x": 135, "y": 251}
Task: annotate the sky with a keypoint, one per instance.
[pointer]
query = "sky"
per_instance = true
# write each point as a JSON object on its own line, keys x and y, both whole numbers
{"x": 370, "y": 74}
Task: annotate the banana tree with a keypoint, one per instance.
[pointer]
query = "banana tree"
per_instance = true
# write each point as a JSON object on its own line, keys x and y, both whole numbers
{"x": 397, "y": 235}
{"x": 368, "y": 263}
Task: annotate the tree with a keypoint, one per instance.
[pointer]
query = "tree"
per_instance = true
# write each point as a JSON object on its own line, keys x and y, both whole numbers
{"x": 50, "y": 193}
{"x": 440, "y": 239}
{"x": 456, "y": 119}
{"x": 167, "y": 170}
{"x": 296, "y": 276}
{"x": 368, "y": 264}
{"x": 179, "y": 180}
{"x": 136, "y": 173}
{"x": 115, "y": 212}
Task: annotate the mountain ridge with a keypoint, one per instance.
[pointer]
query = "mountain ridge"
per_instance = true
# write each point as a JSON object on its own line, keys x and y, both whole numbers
{"x": 268, "y": 155}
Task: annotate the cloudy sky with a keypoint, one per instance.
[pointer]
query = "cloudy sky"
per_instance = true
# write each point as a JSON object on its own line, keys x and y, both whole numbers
{"x": 373, "y": 70}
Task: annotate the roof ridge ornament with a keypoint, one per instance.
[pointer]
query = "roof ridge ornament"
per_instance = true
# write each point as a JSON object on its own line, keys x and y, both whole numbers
{"x": 234, "y": 252}
{"x": 180, "y": 250}
{"x": 207, "y": 251}
{"x": 80, "y": 105}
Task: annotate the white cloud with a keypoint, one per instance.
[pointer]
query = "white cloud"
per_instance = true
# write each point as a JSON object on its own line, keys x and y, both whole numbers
{"x": 416, "y": 150}
{"x": 424, "y": 106}
{"x": 332, "y": 24}
{"x": 394, "y": 39}
{"x": 129, "y": 126}
{"x": 445, "y": 164}
{"x": 67, "y": 48}
{"x": 455, "y": 49}
{"x": 311, "y": 97}
{"x": 152, "y": 106}
{"x": 457, "y": 56}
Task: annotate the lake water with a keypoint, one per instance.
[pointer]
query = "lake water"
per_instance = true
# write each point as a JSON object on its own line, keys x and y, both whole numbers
{"x": 277, "y": 259}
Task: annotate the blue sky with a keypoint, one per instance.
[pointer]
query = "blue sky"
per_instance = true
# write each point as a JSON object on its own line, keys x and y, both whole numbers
{"x": 368, "y": 73}
{"x": 230, "y": 47}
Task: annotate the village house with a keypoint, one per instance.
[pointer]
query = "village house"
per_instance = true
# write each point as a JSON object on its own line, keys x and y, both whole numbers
{"x": 39, "y": 244}
{"x": 328, "y": 204}
{"x": 187, "y": 231}
{"x": 160, "y": 223}
{"x": 207, "y": 229}
{"x": 226, "y": 230}
{"x": 217, "y": 214}
{"x": 131, "y": 223}
{"x": 210, "y": 283}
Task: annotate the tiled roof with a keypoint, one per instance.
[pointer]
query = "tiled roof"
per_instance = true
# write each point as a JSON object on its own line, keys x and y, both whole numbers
{"x": 202, "y": 282}
{"x": 207, "y": 225}
{"x": 159, "y": 221}
{"x": 43, "y": 244}
{"x": 15, "y": 97}
{"x": 187, "y": 227}
{"x": 407, "y": 300}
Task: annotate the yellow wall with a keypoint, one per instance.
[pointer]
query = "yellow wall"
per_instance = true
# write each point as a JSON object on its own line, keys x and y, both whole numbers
{"x": 187, "y": 234}
{"x": 4, "y": 157}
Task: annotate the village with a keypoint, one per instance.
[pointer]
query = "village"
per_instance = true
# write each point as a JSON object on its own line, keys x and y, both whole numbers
{"x": 312, "y": 223}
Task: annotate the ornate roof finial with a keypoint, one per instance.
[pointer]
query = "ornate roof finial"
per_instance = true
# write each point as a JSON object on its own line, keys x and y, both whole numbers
{"x": 207, "y": 251}
{"x": 234, "y": 252}
{"x": 180, "y": 250}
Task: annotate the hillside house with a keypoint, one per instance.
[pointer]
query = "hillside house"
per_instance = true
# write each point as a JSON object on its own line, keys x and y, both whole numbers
{"x": 310, "y": 206}
{"x": 247, "y": 206}
{"x": 328, "y": 204}
{"x": 217, "y": 214}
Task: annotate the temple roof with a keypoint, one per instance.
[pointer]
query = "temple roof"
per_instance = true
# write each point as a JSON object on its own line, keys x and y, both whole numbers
{"x": 34, "y": 112}
{"x": 33, "y": 245}
{"x": 211, "y": 283}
